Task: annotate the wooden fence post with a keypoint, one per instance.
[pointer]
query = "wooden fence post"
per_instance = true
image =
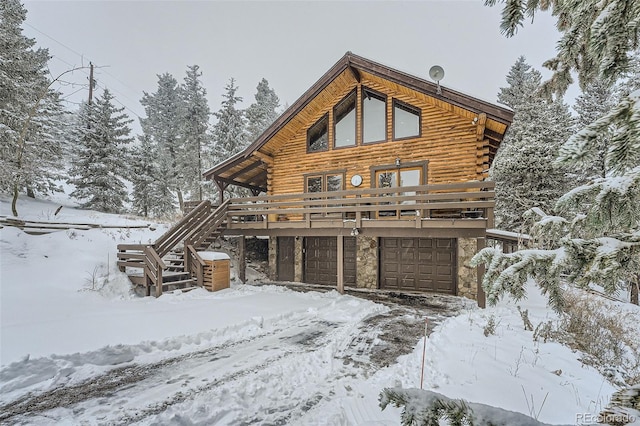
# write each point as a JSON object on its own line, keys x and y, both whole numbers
{"x": 242, "y": 259}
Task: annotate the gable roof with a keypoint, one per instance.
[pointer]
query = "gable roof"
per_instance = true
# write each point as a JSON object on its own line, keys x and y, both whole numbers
{"x": 248, "y": 168}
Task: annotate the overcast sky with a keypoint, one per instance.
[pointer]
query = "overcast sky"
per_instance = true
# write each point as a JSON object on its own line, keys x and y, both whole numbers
{"x": 291, "y": 44}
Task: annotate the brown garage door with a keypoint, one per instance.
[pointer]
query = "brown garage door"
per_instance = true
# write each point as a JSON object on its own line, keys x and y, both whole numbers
{"x": 418, "y": 264}
{"x": 321, "y": 260}
{"x": 286, "y": 259}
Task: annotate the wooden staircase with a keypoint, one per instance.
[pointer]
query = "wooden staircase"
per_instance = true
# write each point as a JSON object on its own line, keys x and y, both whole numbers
{"x": 172, "y": 262}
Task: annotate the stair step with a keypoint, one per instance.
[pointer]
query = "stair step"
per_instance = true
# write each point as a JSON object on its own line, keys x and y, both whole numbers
{"x": 186, "y": 289}
{"x": 178, "y": 283}
{"x": 178, "y": 276}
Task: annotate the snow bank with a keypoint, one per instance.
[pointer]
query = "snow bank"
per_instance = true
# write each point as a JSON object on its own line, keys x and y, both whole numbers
{"x": 508, "y": 369}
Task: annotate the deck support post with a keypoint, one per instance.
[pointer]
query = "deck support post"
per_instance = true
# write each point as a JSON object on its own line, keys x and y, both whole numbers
{"x": 242, "y": 259}
{"x": 159, "y": 282}
{"x": 340, "y": 263}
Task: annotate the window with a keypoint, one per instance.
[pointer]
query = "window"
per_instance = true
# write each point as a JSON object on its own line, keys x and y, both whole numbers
{"x": 344, "y": 116}
{"x": 411, "y": 174}
{"x": 318, "y": 135}
{"x": 325, "y": 182}
{"x": 374, "y": 116}
{"x": 406, "y": 120}
{"x": 314, "y": 184}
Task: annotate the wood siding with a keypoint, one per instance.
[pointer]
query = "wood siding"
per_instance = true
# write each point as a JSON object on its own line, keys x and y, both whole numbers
{"x": 449, "y": 140}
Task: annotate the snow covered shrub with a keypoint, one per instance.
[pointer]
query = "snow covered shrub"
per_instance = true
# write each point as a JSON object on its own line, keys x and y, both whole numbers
{"x": 525, "y": 319}
{"x": 624, "y": 407}
{"x": 490, "y": 327}
{"x": 605, "y": 334}
{"x": 545, "y": 331}
{"x": 428, "y": 408}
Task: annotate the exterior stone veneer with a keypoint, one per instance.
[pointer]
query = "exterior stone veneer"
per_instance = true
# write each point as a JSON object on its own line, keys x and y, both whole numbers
{"x": 273, "y": 258}
{"x": 298, "y": 272}
{"x": 467, "y": 275}
{"x": 366, "y": 262}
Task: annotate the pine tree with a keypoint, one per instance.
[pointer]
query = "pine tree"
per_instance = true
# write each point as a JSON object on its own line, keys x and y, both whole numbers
{"x": 162, "y": 127}
{"x": 100, "y": 165}
{"x": 195, "y": 138}
{"x": 599, "y": 230}
{"x": 262, "y": 112}
{"x": 229, "y": 134}
{"x": 524, "y": 171}
{"x": 30, "y": 111}
{"x": 596, "y": 100}
{"x": 145, "y": 172}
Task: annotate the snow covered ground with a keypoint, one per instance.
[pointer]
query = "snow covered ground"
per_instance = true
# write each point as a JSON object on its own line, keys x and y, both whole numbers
{"x": 74, "y": 351}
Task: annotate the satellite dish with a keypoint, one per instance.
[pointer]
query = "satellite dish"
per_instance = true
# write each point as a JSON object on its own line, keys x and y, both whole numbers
{"x": 436, "y": 73}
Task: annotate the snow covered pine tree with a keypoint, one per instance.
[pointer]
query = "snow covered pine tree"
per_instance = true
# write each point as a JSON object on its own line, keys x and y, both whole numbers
{"x": 601, "y": 243}
{"x": 101, "y": 160}
{"x": 30, "y": 112}
{"x": 524, "y": 171}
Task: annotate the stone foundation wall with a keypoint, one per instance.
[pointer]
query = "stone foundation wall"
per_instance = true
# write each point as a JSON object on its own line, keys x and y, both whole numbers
{"x": 366, "y": 262}
{"x": 467, "y": 275}
{"x": 273, "y": 258}
{"x": 298, "y": 273}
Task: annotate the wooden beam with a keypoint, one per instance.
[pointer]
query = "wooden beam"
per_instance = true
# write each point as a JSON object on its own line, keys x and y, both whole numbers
{"x": 267, "y": 159}
{"x": 221, "y": 187}
{"x": 228, "y": 182}
{"x": 493, "y": 135}
{"x": 242, "y": 259}
{"x": 244, "y": 170}
{"x": 355, "y": 72}
{"x": 341, "y": 264}
{"x": 481, "y": 126}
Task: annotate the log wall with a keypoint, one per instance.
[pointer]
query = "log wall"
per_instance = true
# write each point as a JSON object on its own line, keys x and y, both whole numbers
{"x": 449, "y": 140}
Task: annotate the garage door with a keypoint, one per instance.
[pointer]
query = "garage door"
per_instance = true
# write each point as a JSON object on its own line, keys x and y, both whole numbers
{"x": 321, "y": 260}
{"x": 418, "y": 264}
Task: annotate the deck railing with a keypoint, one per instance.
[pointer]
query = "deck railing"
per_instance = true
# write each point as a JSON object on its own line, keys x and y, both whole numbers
{"x": 453, "y": 200}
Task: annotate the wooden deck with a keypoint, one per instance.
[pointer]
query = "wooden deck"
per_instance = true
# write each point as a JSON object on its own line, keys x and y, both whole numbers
{"x": 446, "y": 207}
{"x": 441, "y": 210}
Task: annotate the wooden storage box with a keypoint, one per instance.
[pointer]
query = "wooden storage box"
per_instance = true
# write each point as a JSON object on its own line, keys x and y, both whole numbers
{"x": 217, "y": 270}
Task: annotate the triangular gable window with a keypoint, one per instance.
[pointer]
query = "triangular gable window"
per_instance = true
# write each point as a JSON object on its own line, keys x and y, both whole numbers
{"x": 318, "y": 135}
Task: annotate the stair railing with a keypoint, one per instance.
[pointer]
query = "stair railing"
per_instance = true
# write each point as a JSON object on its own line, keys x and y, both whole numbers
{"x": 194, "y": 264}
{"x": 181, "y": 230}
{"x": 208, "y": 226}
{"x": 153, "y": 267}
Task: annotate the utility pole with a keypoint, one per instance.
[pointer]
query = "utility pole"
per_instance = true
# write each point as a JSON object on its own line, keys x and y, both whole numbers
{"x": 90, "y": 82}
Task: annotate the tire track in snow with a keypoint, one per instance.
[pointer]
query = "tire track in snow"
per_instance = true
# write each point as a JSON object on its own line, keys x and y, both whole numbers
{"x": 105, "y": 384}
{"x": 137, "y": 380}
{"x": 231, "y": 374}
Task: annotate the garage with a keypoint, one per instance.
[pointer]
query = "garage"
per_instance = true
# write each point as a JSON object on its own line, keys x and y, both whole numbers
{"x": 321, "y": 260}
{"x": 418, "y": 264}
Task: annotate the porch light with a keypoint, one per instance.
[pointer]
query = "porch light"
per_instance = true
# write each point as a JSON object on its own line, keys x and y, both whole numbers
{"x": 397, "y": 162}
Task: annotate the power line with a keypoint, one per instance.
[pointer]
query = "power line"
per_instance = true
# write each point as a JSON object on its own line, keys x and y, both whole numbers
{"x": 59, "y": 42}
{"x": 83, "y": 57}
{"x": 118, "y": 101}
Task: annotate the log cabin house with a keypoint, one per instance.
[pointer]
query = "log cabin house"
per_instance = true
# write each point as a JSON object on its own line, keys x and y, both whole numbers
{"x": 373, "y": 178}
